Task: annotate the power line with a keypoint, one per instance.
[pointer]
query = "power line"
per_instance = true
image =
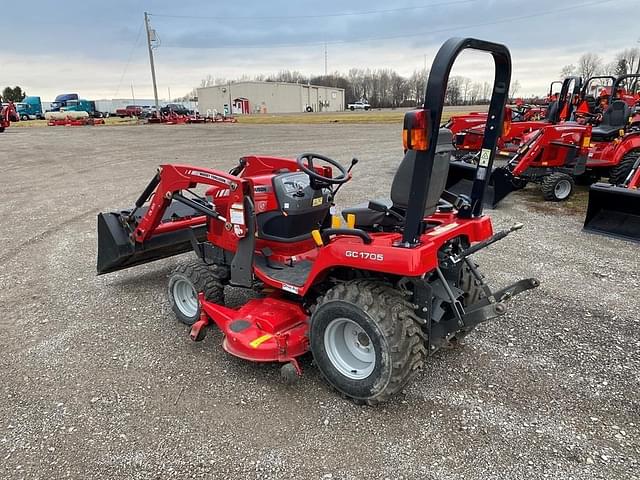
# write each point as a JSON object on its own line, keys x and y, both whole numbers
{"x": 407, "y": 35}
{"x": 325, "y": 15}
{"x": 126, "y": 67}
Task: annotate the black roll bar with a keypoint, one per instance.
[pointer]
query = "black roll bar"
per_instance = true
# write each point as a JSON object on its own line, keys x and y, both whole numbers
{"x": 433, "y": 106}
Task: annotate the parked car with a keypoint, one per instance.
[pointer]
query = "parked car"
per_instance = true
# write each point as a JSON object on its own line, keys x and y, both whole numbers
{"x": 359, "y": 105}
{"x": 175, "y": 108}
{"x": 130, "y": 111}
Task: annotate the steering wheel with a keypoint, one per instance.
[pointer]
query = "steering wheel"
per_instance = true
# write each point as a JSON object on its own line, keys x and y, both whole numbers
{"x": 320, "y": 181}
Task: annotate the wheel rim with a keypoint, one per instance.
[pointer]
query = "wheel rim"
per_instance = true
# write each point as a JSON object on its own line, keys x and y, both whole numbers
{"x": 562, "y": 189}
{"x": 349, "y": 348}
{"x": 185, "y": 298}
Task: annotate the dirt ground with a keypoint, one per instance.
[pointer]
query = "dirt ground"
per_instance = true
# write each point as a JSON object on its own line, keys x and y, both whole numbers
{"x": 100, "y": 381}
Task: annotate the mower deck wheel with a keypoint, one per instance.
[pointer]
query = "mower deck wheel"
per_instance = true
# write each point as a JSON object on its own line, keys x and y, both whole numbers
{"x": 557, "y": 187}
{"x": 187, "y": 281}
{"x": 289, "y": 374}
{"x": 366, "y": 340}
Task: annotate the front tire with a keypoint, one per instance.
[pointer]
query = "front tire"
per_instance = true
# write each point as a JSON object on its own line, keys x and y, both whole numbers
{"x": 366, "y": 340}
{"x": 557, "y": 187}
{"x": 190, "y": 279}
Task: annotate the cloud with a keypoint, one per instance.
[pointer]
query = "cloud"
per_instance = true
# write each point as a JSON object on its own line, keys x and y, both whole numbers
{"x": 85, "y": 46}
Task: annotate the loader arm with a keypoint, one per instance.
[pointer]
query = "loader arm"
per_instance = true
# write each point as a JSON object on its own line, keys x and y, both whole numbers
{"x": 171, "y": 179}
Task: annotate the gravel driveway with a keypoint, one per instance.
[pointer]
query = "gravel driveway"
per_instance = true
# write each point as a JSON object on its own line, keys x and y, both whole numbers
{"x": 100, "y": 381}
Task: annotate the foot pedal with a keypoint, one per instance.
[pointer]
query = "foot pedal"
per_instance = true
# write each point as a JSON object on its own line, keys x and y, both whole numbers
{"x": 267, "y": 252}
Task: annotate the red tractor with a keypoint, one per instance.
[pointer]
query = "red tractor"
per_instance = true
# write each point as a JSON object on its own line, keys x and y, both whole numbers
{"x": 558, "y": 156}
{"x": 371, "y": 300}
{"x": 519, "y": 112}
{"x": 8, "y": 114}
{"x": 517, "y": 125}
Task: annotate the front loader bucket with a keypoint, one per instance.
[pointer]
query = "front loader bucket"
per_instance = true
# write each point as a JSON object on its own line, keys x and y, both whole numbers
{"x": 614, "y": 211}
{"x": 116, "y": 250}
{"x": 462, "y": 174}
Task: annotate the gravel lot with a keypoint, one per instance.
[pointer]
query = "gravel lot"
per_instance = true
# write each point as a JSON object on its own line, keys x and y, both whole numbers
{"x": 100, "y": 381}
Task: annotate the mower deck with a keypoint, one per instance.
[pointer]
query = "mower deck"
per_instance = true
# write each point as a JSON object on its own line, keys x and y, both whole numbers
{"x": 270, "y": 329}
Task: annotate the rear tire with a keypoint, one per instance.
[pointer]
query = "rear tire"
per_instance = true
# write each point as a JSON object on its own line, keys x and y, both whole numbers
{"x": 621, "y": 171}
{"x": 557, "y": 187}
{"x": 190, "y": 279}
{"x": 366, "y": 340}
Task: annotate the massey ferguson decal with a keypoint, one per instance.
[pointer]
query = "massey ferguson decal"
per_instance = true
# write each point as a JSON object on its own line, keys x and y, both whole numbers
{"x": 208, "y": 175}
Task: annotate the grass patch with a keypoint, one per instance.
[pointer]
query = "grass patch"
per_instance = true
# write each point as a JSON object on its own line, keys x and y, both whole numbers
{"x": 382, "y": 116}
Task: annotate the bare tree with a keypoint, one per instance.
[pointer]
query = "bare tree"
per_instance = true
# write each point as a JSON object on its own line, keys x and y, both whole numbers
{"x": 589, "y": 64}
{"x": 453, "y": 94}
{"x": 568, "y": 71}
{"x": 417, "y": 83}
{"x": 466, "y": 87}
{"x": 513, "y": 90}
{"x": 486, "y": 91}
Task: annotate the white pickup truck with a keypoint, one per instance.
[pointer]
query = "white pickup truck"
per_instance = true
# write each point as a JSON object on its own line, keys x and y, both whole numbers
{"x": 360, "y": 105}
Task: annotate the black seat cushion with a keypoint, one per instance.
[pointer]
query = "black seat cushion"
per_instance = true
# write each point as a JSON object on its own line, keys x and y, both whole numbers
{"x": 613, "y": 119}
{"x": 366, "y": 218}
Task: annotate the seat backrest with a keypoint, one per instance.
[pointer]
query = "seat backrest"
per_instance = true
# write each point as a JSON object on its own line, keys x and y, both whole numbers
{"x": 436, "y": 180}
{"x": 616, "y": 115}
{"x": 552, "y": 110}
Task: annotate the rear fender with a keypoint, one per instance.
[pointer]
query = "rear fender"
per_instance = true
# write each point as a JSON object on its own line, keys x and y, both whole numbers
{"x": 629, "y": 142}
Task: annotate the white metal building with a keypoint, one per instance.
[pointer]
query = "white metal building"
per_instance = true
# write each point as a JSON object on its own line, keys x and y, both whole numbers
{"x": 270, "y": 97}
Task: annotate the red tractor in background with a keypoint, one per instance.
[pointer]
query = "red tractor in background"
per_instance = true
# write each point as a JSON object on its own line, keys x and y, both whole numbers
{"x": 556, "y": 156}
{"x": 468, "y": 142}
{"x": 8, "y": 114}
{"x": 519, "y": 112}
{"x": 372, "y": 300}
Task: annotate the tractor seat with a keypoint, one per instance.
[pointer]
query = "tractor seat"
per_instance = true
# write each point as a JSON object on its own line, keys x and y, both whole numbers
{"x": 614, "y": 119}
{"x": 552, "y": 111}
{"x": 367, "y": 218}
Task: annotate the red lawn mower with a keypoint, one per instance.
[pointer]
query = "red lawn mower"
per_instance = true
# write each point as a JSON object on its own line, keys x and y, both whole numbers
{"x": 372, "y": 299}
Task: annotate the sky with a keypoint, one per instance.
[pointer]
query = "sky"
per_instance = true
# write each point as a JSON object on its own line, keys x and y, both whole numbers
{"x": 98, "y": 49}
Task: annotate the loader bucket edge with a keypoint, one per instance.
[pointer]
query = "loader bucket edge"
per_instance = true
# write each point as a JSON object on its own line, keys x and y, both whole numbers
{"x": 116, "y": 251}
{"x": 613, "y": 211}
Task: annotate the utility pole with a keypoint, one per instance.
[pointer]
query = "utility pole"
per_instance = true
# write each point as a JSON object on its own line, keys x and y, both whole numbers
{"x": 325, "y": 59}
{"x": 153, "y": 67}
{"x": 133, "y": 95}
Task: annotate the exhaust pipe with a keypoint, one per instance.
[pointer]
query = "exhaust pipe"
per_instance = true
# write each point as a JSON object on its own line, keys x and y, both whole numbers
{"x": 614, "y": 211}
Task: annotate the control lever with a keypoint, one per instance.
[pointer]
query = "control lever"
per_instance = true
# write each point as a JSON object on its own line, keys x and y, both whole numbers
{"x": 485, "y": 243}
{"x": 354, "y": 162}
